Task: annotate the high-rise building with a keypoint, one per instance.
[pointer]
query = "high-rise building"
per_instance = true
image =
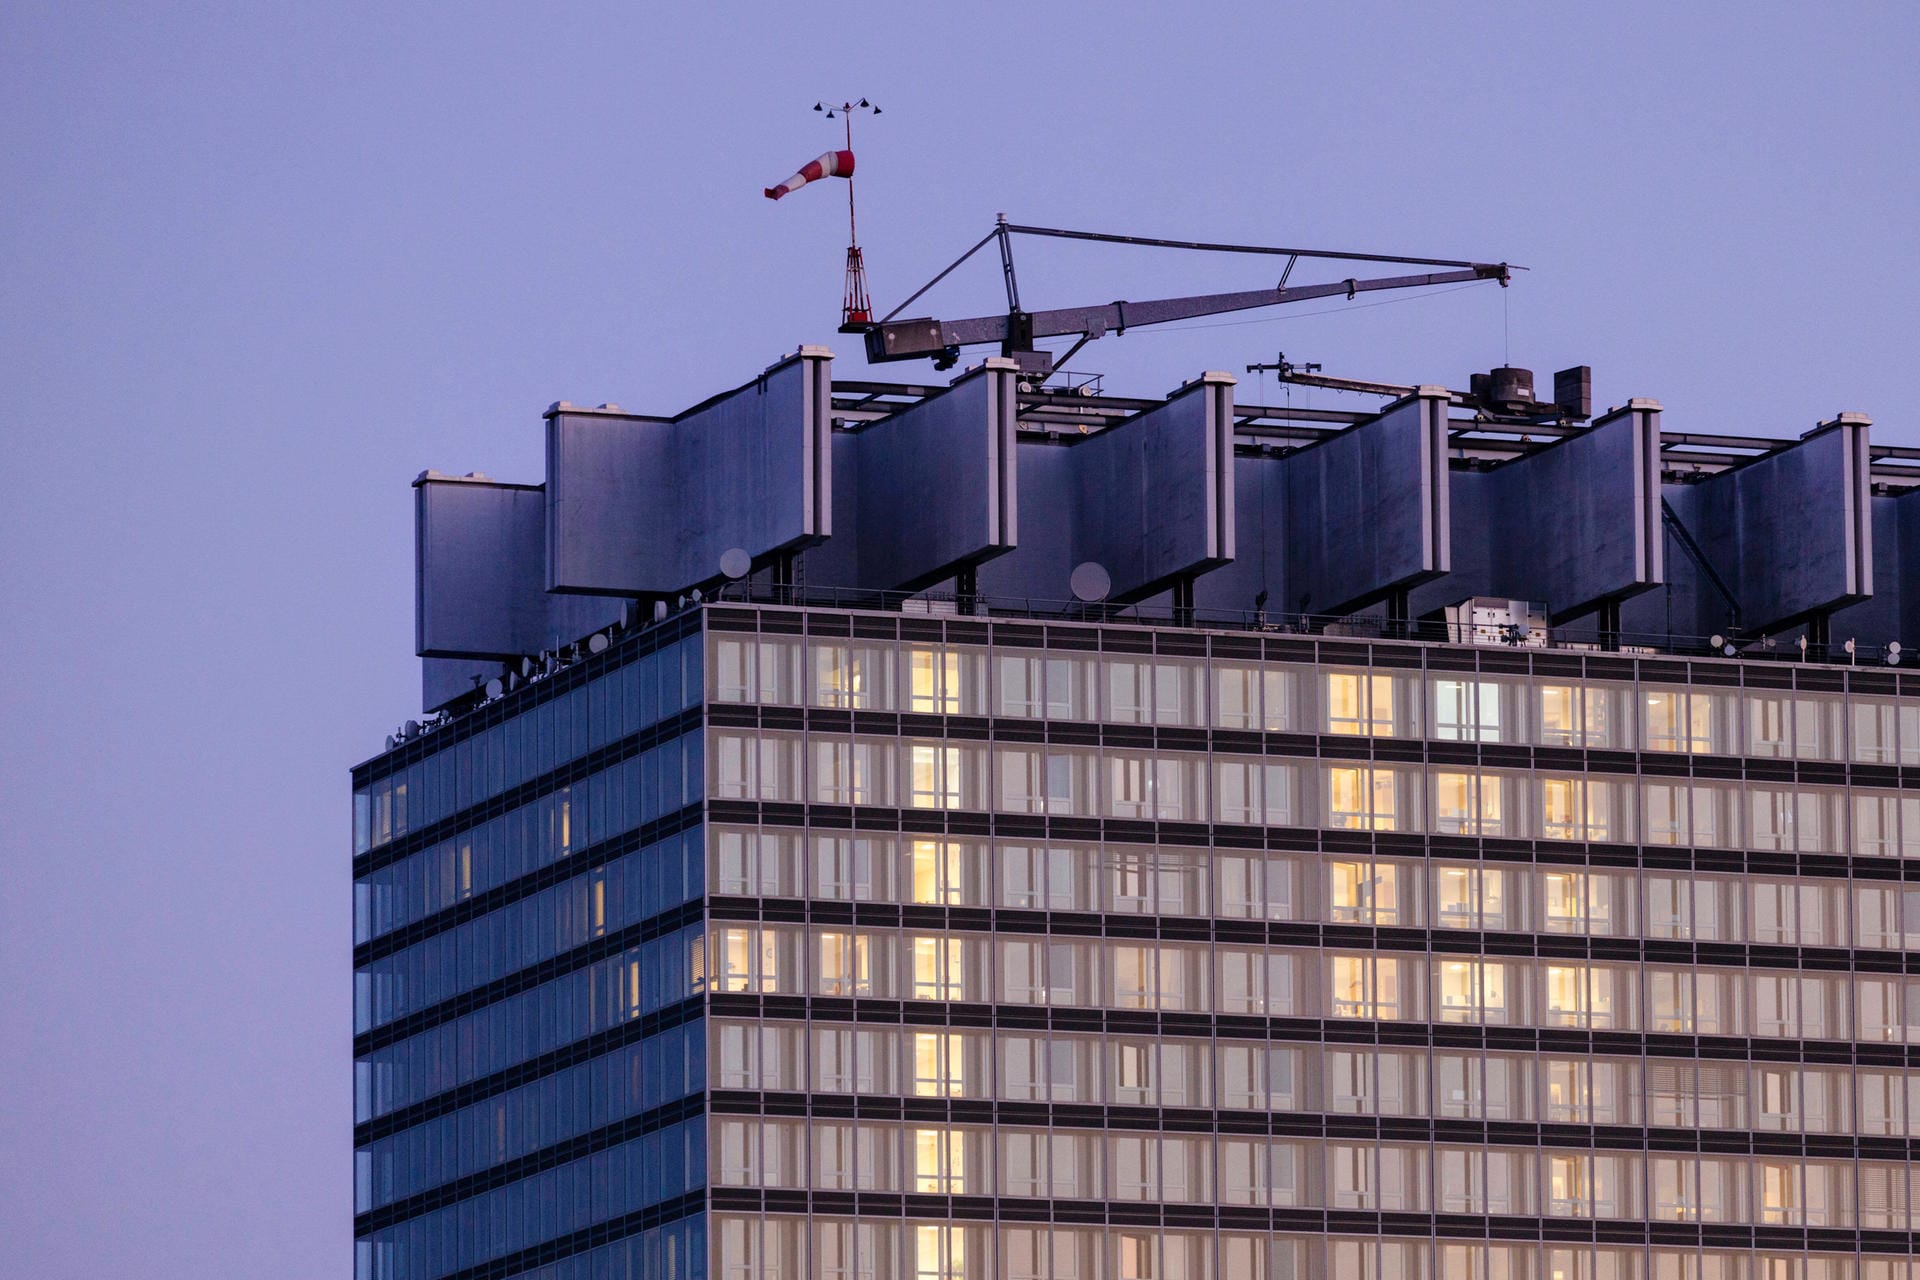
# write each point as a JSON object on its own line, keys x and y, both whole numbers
{"x": 867, "y": 831}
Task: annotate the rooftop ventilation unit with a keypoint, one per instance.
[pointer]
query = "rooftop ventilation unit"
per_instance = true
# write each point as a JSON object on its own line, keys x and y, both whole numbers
{"x": 1486, "y": 620}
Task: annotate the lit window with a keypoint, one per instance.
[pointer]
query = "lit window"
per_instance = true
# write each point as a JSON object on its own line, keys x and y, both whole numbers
{"x": 1473, "y": 991}
{"x": 1360, "y": 704}
{"x": 1574, "y": 809}
{"x": 1782, "y": 1189}
{"x": 939, "y": 1252}
{"x": 744, "y": 960}
{"x": 938, "y": 1065}
{"x": 845, "y": 965}
{"x": 938, "y": 969}
{"x": 1570, "y": 1185}
{"x": 934, "y": 871}
{"x": 933, "y": 681}
{"x": 939, "y": 1161}
{"x": 1471, "y": 897}
{"x": 1366, "y": 987}
{"x": 1573, "y": 715}
{"x": 1362, "y": 797}
{"x": 1468, "y": 804}
{"x": 933, "y": 776}
{"x": 1365, "y": 892}
{"x": 1679, "y": 721}
{"x": 1578, "y": 901}
{"x": 1579, "y": 996}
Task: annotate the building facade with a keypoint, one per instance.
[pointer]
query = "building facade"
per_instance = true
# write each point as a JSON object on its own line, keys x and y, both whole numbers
{"x": 816, "y": 937}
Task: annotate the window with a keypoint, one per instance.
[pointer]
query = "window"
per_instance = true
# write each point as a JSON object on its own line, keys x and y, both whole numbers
{"x": 1369, "y": 797}
{"x": 1371, "y": 987}
{"x": 1585, "y": 809}
{"x": 939, "y": 1252}
{"x": 1483, "y": 1086}
{"x": 853, "y": 868}
{"x": 1684, "y": 720}
{"x": 935, "y": 871}
{"x": 938, "y": 967}
{"x": 939, "y": 1161}
{"x": 1253, "y": 791}
{"x": 755, "y": 670}
{"x": 1886, "y": 824}
{"x": 1360, "y": 704}
{"x": 1469, "y": 710}
{"x": 1468, "y": 804}
{"x": 1589, "y": 1091}
{"x": 945, "y": 681}
{"x": 1579, "y": 902}
{"x": 1257, "y": 697}
{"x": 852, "y": 771}
{"x": 1582, "y": 715}
{"x": 845, "y": 965}
{"x": 744, "y": 959}
{"x": 1885, "y": 730}
{"x": 933, "y": 776}
{"x": 1472, "y": 897}
{"x": 1580, "y": 996}
{"x": 854, "y": 675}
{"x": 938, "y": 1065}
{"x": 1473, "y": 991}
{"x": 1365, "y": 892}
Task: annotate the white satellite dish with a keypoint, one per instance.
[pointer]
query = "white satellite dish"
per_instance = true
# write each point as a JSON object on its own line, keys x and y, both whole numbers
{"x": 597, "y": 642}
{"x": 735, "y": 563}
{"x": 1090, "y": 583}
{"x": 495, "y": 688}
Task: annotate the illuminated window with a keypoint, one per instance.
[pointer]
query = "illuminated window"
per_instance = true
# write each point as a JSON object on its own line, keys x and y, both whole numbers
{"x": 938, "y": 968}
{"x": 1473, "y": 991}
{"x": 1366, "y": 987}
{"x": 1469, "y": 804}
{"x": 1135, "y": 1255}
{"x": 1577, "y": 902}
{"x": 934, "y": 871}
{"x": 939, "y": 1252}
{"x": 850, "y": 675}
{"x": 938, "y": 1065}
{"x": 933, "y": 776}
{"x": 1466, "y": 710}
{"x": 744, "y": 960}
{"x": 1359, "y": 704}
{"x": 845, "y": 967}
{"x": 1782, "y": 1192}
{"x": 1573, "y": 715}
{"x": 933, "y": 681}
{"x": 1362, "y": 797}
{"x": 1677, "y": 720}
{"x": 1575, "y": 809}
{"x": 1471, "y": 897}
{"x": 1364, "y": 892}
{"x": 939, "y": 1161}
{"x": 1579, "y": 996}
{"x": 1570, "y": 1185}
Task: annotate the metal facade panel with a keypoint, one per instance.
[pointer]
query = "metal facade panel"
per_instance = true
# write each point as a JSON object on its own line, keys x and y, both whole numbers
{"x": 933, "y": 487}
{"x": 1572, "y": 525}
{"x": 638, "y": 506}
{"x": 1365, "y": 511}
{"x": 1149, "y": 506}
{"x": 479, "y": 584}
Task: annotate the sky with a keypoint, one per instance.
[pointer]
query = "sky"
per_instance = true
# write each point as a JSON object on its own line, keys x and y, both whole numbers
{"x": 261, "y": 264}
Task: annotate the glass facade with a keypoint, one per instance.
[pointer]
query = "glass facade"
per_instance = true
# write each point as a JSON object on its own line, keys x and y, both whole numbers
{"x": 814, "y": 943}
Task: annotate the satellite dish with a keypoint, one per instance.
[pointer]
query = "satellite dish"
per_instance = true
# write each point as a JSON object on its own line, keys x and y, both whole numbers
{"x": 526, "y": 667}
{"x": 1718, "y": 641}
{"x": 735, "y": 563}
{"x": 1893, "y": 647}
{"x": 392, "y": 742}
{"x": 412, "y": 730}
{"x": 495, "y": 688}
{"x": 1090, "y": 583}
{"x": 597, "y": 642}
{"x": 696, "y": 595}
{"x": 659, "y": 610}
{"x": 1848, "y": 646}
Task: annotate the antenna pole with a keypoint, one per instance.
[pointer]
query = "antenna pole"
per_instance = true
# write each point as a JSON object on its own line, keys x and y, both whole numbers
{"x": 856, "y": 311}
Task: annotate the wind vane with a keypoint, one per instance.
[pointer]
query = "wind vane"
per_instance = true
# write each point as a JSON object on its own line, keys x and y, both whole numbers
{"x": 856, "y": 313}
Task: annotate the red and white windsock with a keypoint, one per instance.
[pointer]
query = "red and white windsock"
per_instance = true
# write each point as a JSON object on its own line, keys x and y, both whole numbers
{"x": 831, "y": 164}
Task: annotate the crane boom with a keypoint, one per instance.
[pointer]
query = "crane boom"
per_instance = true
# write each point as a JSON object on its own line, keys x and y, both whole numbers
{"x": 1015, "y": 331}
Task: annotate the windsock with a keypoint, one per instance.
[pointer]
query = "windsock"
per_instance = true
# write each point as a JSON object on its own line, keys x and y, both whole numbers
{"x": 831, "y": 164}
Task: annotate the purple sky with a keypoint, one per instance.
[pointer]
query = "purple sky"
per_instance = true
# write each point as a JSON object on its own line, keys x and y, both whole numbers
{"x": 261, "y": 264}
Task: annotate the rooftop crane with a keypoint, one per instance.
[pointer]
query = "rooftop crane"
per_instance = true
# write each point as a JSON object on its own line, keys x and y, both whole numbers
{"x": 1018, "y": 330}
